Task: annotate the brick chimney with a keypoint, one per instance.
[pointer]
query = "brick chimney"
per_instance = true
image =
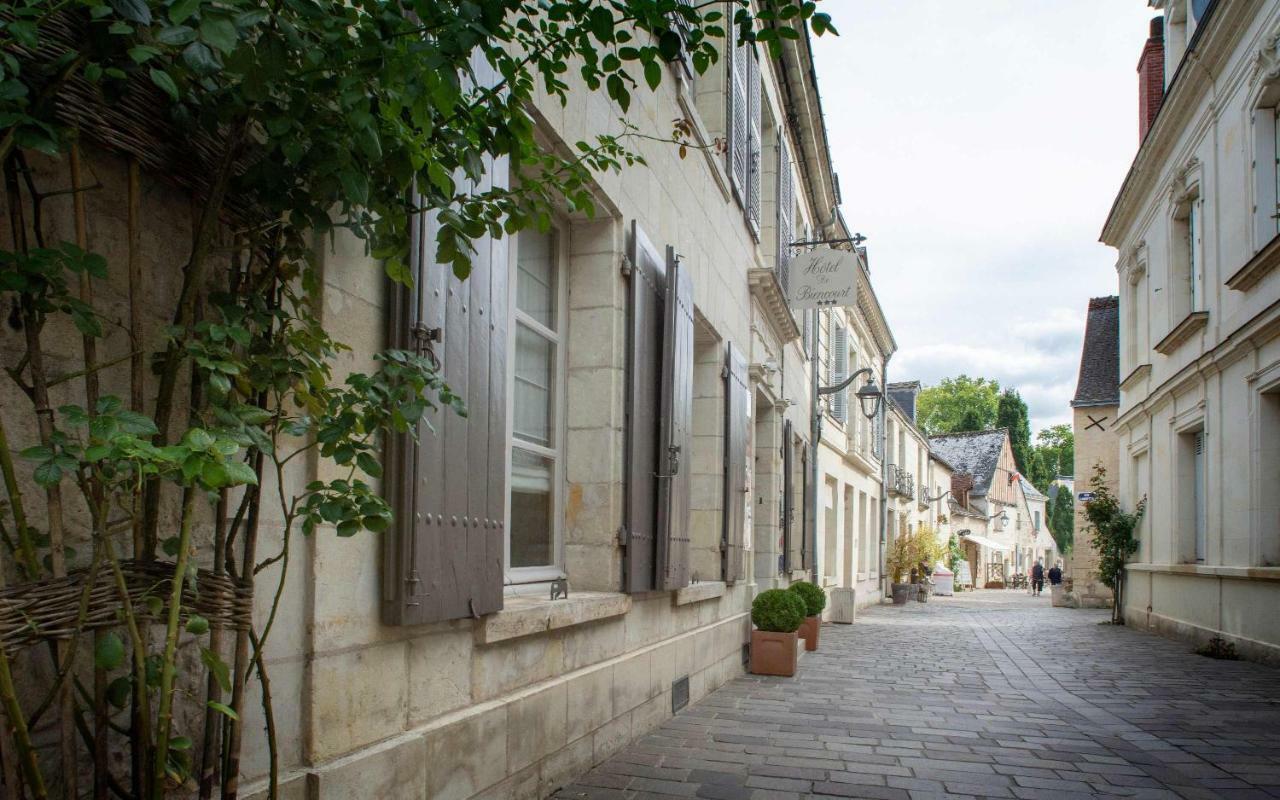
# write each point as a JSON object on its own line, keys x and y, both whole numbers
{"x": 1151, "y": 78}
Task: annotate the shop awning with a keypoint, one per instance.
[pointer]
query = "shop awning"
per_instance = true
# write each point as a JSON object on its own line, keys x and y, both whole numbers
{"x": 982, "y": 541}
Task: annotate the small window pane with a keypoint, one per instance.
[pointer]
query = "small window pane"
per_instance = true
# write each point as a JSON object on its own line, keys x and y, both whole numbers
{"x": 535, "y": 375}
{"x": 531, "y": 509}
{"x": 536, "y": 284}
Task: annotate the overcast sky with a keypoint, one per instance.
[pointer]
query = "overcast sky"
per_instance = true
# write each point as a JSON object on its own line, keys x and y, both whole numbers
{"x": 979, "y": 146}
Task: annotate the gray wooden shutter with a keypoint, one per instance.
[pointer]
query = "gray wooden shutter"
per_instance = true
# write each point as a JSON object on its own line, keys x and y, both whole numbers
{"x": 754, "y": 147}
{"x": 840, "y": 370}
{"x": 675, "y": 444}
{"x": 644, "y": 375}
{"x": 737, "y": 428}
{"x": 739, "y": 116}
{"x": 789, "y": 545}
{"x": 786, "y": 211}
{"x": 444, "y": 557}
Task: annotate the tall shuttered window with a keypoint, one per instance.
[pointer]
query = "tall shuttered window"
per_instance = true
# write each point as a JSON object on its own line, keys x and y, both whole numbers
{"x": 840, "y": 370}
{"x": 533, "y": 550}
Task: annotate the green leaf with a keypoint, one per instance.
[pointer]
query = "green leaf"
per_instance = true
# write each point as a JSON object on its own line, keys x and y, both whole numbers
{"x": 133, "y": 422}
{"x": 119, "y": 690}
{"x": 108, "y": 653}
{"x": 222, "y": 709}
{"x": 219, "y": 32}
{"x": 201, "y": 59}
{"x": 37, "y": 453}
{"x": 217, "y": 667}
{"x": 652, "y": 74}
{"x": 369, "y": 464}
{"x": 182, "y": 9}
{"x": 180, "y": 743}
{"x": 48, "y": 474}
{"x": 132, "y": 10}
{"x": 162, "y": 79}
{"x": 170, "y": 545}
{"x": 176, "y": 35}
{"x": 197, "y": 625}
{"x": 239, "y": 473}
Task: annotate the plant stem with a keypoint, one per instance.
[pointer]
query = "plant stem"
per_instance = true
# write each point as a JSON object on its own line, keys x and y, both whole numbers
{"x": 53, "y": 494}
{"x": 268, "y": 713}
{"x": 27, "y": 548}
{"x": 213, "y": 692}
{"x": 21, "y": 736}
{"x": 168, "y": 665}
{"x": 141, "y": 700}
{"x": 192, "y": 282}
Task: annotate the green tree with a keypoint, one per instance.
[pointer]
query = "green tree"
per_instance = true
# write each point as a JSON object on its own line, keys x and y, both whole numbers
{"x": 1111, "y": 529}
{"x": 1062, "y": 520}
{"x": 957, "y": 405}
{"x": 1057, "y": 445}
{"x": 1012, "y": 414}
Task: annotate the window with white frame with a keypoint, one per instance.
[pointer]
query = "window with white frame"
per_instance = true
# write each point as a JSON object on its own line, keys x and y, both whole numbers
{"x": 1187, "y": 257}
{"x": 537, "y": 397}
{"x": 1192, "y": 534}
{"x": 1266, "y": 166}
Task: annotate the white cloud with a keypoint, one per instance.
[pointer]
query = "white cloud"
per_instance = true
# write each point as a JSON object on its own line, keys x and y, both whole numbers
{"x": 979, "y": 146}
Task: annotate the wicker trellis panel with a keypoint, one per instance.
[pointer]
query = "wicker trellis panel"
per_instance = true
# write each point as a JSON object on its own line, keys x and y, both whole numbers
{"x": 34, "y": 612}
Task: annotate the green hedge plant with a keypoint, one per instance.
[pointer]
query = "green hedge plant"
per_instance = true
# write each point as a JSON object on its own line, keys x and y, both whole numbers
{"x": 778, "y": 611}
{"x": 814, "y": 598}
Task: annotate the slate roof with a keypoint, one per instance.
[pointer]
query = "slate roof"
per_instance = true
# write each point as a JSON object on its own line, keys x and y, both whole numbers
{"x": 1099, "y": 381}
{"x": 976, "y": 453}
{"x": 903, "y": 395}
{"x": 1031, "y": 491}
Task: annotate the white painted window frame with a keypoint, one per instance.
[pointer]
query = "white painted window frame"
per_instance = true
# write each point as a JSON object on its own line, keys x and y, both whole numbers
{"x": 557, "y": 452}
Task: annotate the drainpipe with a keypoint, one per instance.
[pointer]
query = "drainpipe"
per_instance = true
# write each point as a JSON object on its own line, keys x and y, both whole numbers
{"x": 815, "y": 438}
{"x": 884, "y": 475}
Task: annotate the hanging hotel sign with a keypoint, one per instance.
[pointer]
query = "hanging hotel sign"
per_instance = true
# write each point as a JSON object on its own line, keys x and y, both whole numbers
{"x": 822, "y": 278}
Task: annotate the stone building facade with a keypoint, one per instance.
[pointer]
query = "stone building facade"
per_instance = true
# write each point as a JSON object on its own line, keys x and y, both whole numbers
{"x": 1195, "y": 227}
{"x": 1094, "y": 409}
{"x": 431, "y": 661}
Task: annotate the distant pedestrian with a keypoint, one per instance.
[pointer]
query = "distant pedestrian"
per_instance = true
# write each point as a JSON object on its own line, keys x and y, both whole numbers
{"x": 1055, "y": 574}
{"x": 1037, "y": 578}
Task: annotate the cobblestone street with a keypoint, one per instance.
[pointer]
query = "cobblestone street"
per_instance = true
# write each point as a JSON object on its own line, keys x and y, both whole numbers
{"x": 988, "y": 694}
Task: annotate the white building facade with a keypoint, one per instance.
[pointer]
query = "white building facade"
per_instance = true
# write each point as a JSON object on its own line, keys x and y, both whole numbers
{"x": 1196, "y": 225}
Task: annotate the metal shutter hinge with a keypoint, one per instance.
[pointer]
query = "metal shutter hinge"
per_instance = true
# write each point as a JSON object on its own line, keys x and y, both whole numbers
{"x": 621, "y": 536}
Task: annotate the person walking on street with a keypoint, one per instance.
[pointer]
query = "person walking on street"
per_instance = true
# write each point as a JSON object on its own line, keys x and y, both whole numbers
{"x": 1037, "y": 579}
{"x": 1055, "y": 574}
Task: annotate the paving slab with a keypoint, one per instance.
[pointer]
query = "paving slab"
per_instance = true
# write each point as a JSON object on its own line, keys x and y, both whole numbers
{"x": 986, "y": 694}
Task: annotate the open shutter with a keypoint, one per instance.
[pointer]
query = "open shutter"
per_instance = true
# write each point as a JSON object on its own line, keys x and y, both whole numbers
{"x": 790, "y": 548}
{"x": 739, "y": 117}
{"x": 675, "y": 450}
{"x": 644, "y": 375}
{"x": 754, "y": 147}
{"x": 786, "y": 212}
{"x": 806, "y": 503}
{"x": 444, "y": 559}
{"x": 840, "y": 371}
{"x": 737, "y": 427}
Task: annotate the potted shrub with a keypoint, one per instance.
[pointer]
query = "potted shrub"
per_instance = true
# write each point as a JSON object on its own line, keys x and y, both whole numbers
{"x": 814, "y": 601}
{"x": 898, "y": 563}
{"x": 777, "y": 615}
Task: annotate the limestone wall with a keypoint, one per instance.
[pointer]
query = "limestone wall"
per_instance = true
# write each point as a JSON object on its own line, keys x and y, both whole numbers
{"x": 1094, "y": 444}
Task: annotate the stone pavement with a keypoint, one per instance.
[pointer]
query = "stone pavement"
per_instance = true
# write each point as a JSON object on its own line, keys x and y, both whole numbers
{"x": 988, "y": 694}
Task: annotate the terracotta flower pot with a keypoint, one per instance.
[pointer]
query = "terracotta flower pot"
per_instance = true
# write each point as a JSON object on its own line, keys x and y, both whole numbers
{"x": 774, "y": 653}
{"x": 809, "y": 632}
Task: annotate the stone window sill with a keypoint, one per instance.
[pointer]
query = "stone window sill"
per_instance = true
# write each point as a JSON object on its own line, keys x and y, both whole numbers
{"x": 1139, "y": 372}
{"x": 525, "y": 616}
{"x": 697, "y": 592}
{"x": 1190, "y": 326}
{"x": 1257, "y": 268}
{"x": 1210, "y": 571}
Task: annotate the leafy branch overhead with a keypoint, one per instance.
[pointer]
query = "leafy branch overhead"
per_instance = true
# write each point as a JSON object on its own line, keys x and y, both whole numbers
{"x": 350, "y": 106}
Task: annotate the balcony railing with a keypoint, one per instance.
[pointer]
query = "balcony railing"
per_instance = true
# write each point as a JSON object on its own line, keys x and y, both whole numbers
{"x": 901, "y": 482}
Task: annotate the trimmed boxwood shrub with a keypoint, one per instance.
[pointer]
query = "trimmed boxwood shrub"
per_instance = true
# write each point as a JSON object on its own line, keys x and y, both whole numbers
{"x": 814, "y": 598}
{"x": 778, "y": 611}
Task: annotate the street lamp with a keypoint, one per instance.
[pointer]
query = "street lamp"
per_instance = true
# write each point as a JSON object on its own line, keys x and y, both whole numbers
{"x": 868, "y": 394}
{"x": 1003, "y": 518}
